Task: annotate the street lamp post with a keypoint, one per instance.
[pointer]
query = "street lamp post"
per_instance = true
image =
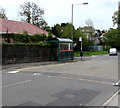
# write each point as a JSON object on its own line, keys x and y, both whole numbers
{"x": 72, "y": 17}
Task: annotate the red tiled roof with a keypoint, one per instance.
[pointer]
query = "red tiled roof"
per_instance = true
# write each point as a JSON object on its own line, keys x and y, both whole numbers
{"x": 10, "y": 26}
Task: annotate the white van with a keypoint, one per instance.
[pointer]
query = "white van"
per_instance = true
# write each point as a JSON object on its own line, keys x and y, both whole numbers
{"x": 113, "y": 51}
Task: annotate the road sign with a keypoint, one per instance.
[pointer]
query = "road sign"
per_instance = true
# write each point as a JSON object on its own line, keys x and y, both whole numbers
{"x": 80, "y": 39}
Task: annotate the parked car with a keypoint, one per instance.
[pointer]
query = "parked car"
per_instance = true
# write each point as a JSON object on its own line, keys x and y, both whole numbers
{"x": 112, "y": 51}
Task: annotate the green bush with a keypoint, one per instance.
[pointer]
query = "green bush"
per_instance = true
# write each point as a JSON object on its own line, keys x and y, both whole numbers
{"x": 112, "y": 38}
{"x": 25, "y": 38}
{"x": 22, "y": 38}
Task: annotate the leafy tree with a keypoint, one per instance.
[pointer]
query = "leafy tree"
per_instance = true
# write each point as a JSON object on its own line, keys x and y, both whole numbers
{"x": 2, "y": 13}
{"x": 67, "y": 30}
{"x": 85, "y": 41}
{"x": 89, "y": 23}
{"x": 57, "y": 30}
{"x": 119, "y": 16}
{"x": 76, "y": 34}
{"x": 112, "y": 38}
{"x": 89, "y": 27}
{"x": 64, "y": 30}
{"x": 47, "y": 28}
{"x": 116, "y": 17}
{"x": 32, "y": 13}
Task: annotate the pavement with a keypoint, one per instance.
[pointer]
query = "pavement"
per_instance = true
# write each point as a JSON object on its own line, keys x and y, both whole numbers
{"x": 23, "y": 65}
{"x": 112, "y": 101}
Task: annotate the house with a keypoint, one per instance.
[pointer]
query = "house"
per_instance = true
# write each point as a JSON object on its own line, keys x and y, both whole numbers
{"x": 8, "y": 27}
{"x": 89, "y": 31}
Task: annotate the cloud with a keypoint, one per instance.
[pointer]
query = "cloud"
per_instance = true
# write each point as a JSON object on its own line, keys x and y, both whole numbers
{"x": 58, "y": 11}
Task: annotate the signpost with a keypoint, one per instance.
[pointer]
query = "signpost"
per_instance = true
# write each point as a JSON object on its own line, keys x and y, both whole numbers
{"x": 81, "y": 52}
{"x": 80, "y": 39}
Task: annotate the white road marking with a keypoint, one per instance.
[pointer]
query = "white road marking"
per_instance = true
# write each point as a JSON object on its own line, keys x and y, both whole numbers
{"x": 94, "y": 55}
{"x": 14, "y": 71}
{"x": 22, "y": 82}
{"x": 36, "y": 73}
{"x": 110, "y": 99}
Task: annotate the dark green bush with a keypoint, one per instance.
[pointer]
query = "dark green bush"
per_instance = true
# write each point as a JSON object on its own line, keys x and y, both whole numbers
{"x": 25, "y": 38}
{"x": 22, "y": 38}
{"x": 42, "y": 43}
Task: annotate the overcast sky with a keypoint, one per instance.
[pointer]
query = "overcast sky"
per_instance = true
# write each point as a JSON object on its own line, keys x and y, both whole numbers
{"x": 59, "y": 11}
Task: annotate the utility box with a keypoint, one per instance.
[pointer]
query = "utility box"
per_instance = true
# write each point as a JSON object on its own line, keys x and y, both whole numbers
{"x": 64, "y": 49}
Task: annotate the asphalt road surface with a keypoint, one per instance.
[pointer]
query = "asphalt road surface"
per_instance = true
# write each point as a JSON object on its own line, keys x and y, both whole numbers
{"x": 79, "y": 83}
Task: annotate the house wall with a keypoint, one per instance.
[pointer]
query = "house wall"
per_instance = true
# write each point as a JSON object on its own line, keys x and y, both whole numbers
{"x": 26, "y": 54}
{"x": 0, "y": 40}
{"x": 95, "y": 48}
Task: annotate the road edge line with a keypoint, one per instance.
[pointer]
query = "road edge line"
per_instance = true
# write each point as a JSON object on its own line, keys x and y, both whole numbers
{"x": 110, "y": 99}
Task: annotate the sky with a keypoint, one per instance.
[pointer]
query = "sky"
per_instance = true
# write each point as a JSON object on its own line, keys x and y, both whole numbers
{"x": 100, "y": 12}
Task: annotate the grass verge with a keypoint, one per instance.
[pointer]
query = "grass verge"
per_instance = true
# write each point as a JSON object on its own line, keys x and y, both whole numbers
{"x": 89, "y": 53}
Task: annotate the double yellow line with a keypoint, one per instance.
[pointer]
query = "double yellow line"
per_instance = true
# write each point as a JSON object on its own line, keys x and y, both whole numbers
{"x": 34, "y": 67}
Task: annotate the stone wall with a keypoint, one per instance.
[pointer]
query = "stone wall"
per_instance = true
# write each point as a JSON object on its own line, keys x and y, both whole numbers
{"x": 24, "y": 54}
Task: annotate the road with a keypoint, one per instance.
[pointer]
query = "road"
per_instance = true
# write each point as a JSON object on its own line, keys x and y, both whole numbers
{"x": 79, "y": 83}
